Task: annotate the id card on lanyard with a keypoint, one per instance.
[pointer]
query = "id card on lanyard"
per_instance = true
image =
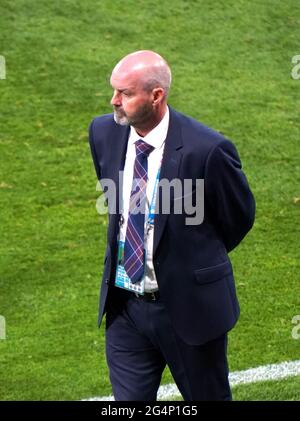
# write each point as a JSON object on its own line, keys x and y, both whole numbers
{"x": 122, "y": 279}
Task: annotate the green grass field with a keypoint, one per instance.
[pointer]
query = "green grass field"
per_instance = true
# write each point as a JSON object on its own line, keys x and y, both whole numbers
{"x": 231, "y": 63}
{"x": 283, "y": 390}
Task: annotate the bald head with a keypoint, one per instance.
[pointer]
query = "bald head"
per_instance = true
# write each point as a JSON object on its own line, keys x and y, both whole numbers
{"x": 146, "y": 68}
{"x": 141, "y": 83}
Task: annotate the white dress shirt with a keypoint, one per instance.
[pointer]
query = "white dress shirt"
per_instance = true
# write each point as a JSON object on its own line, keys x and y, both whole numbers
{"x": 155, "y": 138}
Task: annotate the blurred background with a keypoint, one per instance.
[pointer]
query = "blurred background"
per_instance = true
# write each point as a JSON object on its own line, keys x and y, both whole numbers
{"x": 232, "y": 70}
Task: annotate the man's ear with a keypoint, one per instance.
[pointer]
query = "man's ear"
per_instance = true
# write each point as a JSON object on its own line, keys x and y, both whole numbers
{"x": 158, "y": 94}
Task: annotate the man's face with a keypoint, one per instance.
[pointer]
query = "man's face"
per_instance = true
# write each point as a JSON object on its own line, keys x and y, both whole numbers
{"x": 132, "y": 104}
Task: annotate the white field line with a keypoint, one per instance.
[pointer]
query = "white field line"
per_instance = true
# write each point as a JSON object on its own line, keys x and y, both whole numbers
{"x": 252, "y": 375}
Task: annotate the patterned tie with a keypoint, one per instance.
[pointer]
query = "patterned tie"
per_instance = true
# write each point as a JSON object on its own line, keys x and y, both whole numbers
{"x": 134, "y": 241}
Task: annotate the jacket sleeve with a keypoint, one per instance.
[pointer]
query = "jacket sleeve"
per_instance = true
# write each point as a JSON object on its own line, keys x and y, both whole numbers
{"x": 93, "y": 150}
{"x": 230, "y": 200}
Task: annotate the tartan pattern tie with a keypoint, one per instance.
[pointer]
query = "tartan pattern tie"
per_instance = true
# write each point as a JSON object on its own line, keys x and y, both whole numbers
{"x": 134, "y": 241}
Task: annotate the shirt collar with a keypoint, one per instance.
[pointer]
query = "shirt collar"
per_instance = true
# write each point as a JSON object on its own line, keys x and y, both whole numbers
{"x": 157, "y": 136}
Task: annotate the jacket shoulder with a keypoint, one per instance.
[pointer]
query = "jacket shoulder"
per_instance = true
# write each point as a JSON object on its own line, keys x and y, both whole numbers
{"x": 195, "y": 127}
{"x": 103, "y": 121}
{"x": 198, "y": 136}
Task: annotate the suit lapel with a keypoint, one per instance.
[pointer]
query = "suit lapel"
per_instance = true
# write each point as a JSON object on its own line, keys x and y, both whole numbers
{"x": 118, "y": 144}
{"x": 169, "y": 170}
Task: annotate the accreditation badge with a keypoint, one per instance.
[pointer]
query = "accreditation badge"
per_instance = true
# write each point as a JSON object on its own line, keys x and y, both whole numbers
{"x": 122, "y": 279}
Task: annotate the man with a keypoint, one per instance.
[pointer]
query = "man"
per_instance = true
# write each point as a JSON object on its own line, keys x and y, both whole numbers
{"x": 168, "y": 288}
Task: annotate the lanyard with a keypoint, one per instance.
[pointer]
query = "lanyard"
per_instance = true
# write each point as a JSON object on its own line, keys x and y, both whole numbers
{"x": 150, "y": 220}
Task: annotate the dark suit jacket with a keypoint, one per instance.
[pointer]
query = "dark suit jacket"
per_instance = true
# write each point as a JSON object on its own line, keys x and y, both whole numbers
{"x": 191, "y": 262}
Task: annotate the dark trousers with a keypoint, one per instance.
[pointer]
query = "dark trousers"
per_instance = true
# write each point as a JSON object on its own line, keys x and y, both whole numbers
{"x": 140, "y": 341}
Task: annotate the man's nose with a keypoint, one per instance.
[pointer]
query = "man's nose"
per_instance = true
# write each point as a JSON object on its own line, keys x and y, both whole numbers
{"x": 115, "y": 100}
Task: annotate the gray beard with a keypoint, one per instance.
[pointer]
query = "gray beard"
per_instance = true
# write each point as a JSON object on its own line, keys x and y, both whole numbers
{"x": 140, "y": 117}
{"x": 123, "y": 121}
